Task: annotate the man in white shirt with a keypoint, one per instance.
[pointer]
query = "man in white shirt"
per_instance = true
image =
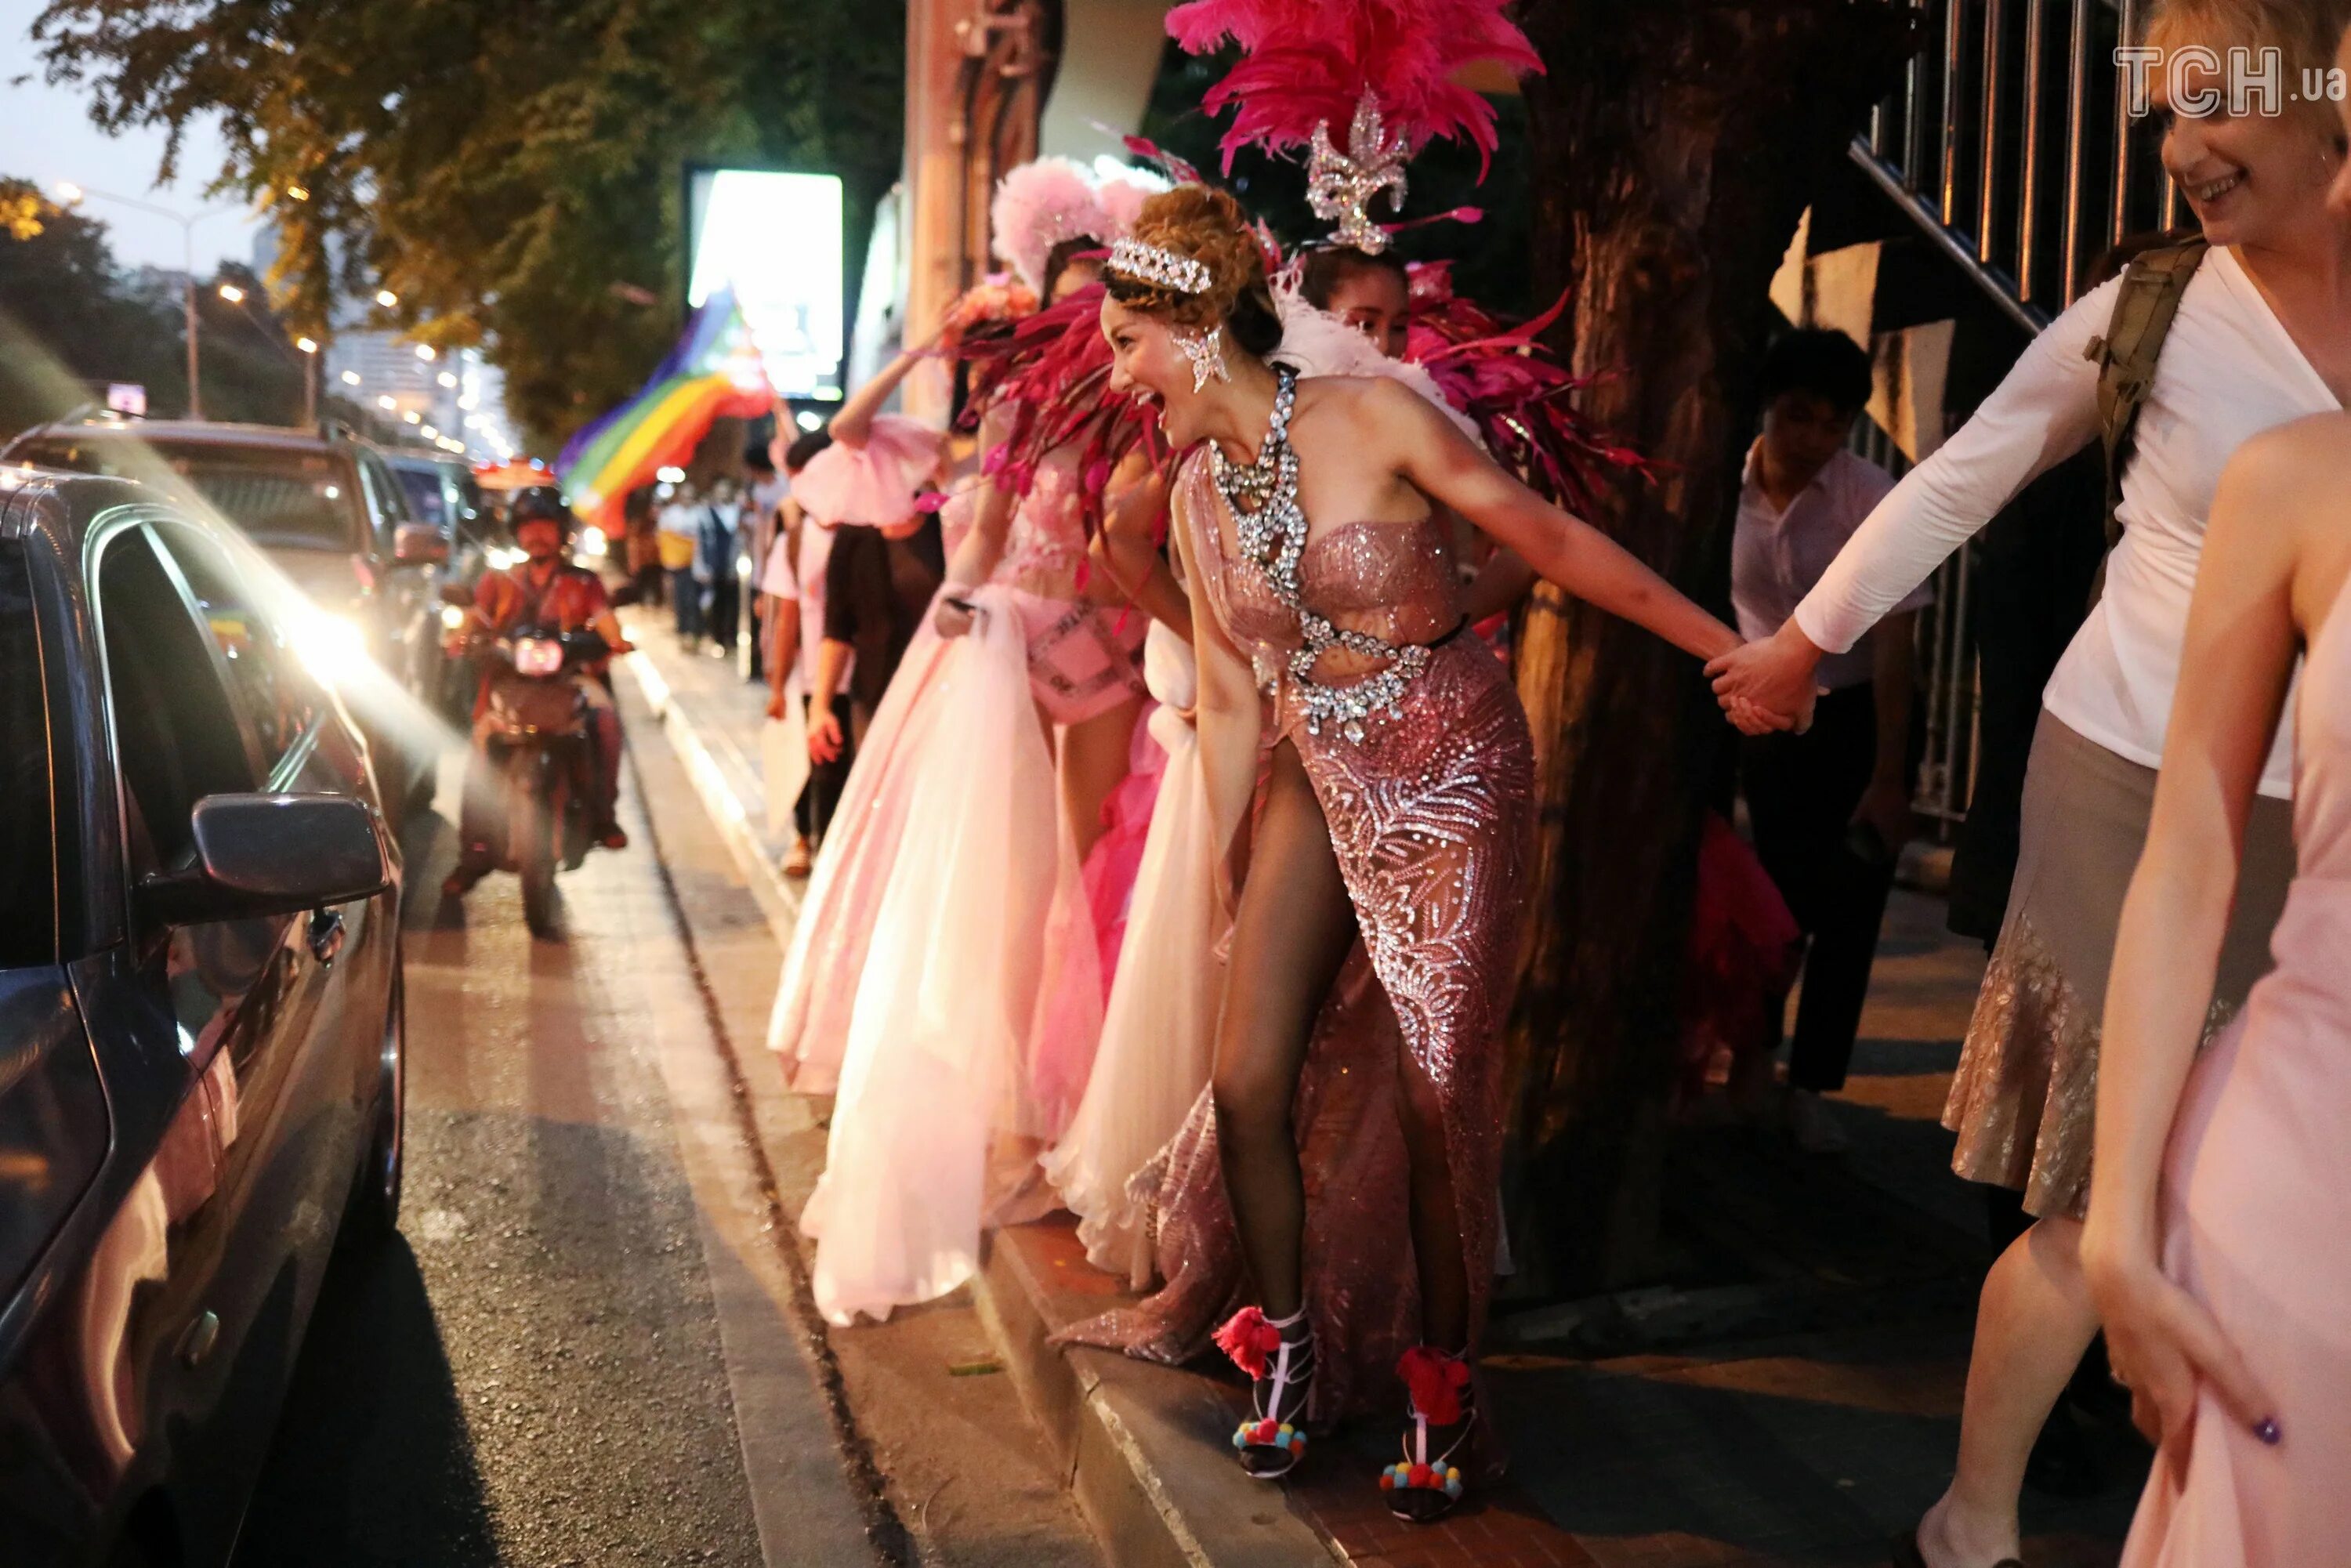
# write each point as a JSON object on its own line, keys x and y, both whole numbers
{"x": 680, "y": 525}
{"x": 1830, "y": 807}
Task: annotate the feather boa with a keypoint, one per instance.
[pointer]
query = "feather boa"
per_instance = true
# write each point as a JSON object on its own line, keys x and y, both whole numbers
{"x": 1514, "y": 390}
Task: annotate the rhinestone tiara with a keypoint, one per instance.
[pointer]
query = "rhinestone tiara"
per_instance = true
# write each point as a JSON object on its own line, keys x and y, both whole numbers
{"x": 1150, "y": 264}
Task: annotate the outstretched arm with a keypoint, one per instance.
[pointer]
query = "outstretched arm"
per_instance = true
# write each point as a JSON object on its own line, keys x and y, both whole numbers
{"x": 1442, "y": 465}
{"x": 854, "y": 421}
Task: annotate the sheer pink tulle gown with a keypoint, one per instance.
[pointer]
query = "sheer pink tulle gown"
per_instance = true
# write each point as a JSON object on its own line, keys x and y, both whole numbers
{"x": 2257, "y": 1201}
{"x": 1430, "y": 813}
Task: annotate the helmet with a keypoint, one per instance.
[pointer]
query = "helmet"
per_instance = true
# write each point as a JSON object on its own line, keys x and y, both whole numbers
{"x": 541, "y": 503}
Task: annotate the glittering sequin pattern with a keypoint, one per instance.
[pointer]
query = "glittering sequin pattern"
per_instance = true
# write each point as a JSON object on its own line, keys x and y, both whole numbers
{"x": 1430, "y": 813}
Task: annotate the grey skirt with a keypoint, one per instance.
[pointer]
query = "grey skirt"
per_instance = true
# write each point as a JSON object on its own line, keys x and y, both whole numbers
{"x": 2027, "y": 1085}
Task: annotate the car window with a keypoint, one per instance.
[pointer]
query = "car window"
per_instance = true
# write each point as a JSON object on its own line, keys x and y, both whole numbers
{"x": 276, "y": 495}
{"x": 28, "y": 820}
{"x": 279, "y": 700}
{"x": 176, "y": 733}
{"x": 425, "y": 495}
{"x": 387, "y": 502}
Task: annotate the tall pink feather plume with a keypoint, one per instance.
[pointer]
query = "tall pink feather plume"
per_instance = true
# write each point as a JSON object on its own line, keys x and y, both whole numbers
{"x": 1039, "y": 204}
{"x": 1307, "y": 62}
{"x": 1122, "y": 198}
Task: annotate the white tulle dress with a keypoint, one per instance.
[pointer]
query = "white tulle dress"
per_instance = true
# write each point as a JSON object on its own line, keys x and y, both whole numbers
{"x": 1159, "y": 1025}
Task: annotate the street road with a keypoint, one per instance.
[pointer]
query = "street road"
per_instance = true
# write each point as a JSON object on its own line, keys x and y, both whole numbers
{"x": 590, "y": 1345}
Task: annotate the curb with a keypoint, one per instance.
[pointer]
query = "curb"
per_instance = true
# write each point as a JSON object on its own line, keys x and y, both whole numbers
{"x": 1127, "y": 1437}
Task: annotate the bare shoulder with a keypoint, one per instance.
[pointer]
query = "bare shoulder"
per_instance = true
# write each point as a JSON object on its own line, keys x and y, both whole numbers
{"x": 1371, "y": 399}
{"x": 2284, "y": 508}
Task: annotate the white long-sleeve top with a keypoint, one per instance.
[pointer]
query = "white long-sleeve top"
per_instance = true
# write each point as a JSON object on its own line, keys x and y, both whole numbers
{"x": 2228, "y": 370}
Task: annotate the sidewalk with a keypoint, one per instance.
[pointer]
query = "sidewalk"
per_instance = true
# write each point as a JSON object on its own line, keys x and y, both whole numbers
{"x": 1794, "y": 1399}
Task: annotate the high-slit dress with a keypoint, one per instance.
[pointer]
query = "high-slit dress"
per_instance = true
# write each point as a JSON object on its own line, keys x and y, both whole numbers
{"x": 1429, "y": 806}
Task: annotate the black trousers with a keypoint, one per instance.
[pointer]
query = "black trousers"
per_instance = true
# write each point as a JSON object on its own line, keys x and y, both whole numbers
{"x": 1800, "y": 794}
{"x": 812, "y": 813}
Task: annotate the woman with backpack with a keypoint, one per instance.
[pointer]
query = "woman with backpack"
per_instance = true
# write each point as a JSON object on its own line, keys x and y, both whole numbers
{"x": 2199, "y": 347}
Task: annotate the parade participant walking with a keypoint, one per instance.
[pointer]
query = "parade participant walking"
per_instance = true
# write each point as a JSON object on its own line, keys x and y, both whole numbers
{"x": 2261, "y": 337}
{"x": 1400, "y": 782}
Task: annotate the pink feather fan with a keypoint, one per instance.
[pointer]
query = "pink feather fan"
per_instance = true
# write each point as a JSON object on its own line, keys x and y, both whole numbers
{"x": 1309, "y": 62}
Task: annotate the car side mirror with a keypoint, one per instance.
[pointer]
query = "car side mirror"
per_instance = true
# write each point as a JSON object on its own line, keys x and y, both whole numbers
{"x": 418, "y": 544}
{"x": 259, "y": 855}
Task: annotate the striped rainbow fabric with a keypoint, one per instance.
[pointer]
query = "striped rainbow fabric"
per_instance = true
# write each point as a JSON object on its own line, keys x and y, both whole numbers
{"x": 714, "y": 372}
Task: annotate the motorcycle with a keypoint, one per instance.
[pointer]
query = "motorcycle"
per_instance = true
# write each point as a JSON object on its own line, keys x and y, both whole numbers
{"x": 538, "y": 754}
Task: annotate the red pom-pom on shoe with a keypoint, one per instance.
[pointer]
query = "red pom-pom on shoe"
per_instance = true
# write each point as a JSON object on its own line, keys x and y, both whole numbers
{"x": 1435, "y": 1382}
{"x": 1251, "y": 1341}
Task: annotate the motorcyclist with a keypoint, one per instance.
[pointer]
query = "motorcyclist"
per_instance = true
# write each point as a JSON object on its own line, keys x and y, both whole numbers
{"x": 545, "y": 589}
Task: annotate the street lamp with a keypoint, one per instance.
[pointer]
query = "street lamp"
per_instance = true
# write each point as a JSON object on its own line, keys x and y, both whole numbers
{"x": 232, "y": 293}
{"x": 350, "y": 378}
{"x": 386, "y": 297}
{"x": 426, "y": 352}
{"x": 72, "y": 196}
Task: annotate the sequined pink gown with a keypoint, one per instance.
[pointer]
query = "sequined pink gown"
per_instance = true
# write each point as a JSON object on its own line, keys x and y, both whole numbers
{"x": 1430, "y": 813}
{"x": 2256, "y": 1200}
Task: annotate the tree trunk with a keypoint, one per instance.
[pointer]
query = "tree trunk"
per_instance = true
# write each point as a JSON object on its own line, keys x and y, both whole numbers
{"x": 1674, "y": 142}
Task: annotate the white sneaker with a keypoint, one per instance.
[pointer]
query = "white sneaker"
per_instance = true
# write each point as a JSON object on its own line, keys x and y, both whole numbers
{"x": 1813, "y": 1125}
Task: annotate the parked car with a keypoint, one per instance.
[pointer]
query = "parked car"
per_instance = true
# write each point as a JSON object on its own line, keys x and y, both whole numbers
{"x": 201, "y": 1023}
{"x": 327, "y": 510}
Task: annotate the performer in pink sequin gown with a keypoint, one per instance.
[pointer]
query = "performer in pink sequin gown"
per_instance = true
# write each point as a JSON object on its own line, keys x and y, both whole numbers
{"x": 2220, "y": 1183}
{"x": 1397, "y": 798}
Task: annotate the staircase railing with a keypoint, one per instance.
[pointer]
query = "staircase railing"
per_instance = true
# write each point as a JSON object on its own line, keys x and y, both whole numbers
{"x": 2010, "y": 145}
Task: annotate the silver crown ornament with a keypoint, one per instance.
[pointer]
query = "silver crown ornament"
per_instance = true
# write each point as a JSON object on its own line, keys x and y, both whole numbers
{"x": 1340, "y": 186}
{"x": 1152, "y": 263}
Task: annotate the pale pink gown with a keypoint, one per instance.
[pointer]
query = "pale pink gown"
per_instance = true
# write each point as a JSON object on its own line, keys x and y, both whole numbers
{"x": 2257, "y": 1202}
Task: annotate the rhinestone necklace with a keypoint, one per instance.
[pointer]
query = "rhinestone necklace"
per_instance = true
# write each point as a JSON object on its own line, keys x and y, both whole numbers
{"x": 1271, "y": 529}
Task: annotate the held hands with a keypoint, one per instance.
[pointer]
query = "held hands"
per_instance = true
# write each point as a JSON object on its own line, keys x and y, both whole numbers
{"x": 2164, "y": 1346}
{"x": 1767, "y": 685}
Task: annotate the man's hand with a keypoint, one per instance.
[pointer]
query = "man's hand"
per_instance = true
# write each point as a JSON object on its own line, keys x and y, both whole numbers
{"x": 775, "y": 705}
{"x": 1886, "y": 807}
{"x": 824, "y": 736}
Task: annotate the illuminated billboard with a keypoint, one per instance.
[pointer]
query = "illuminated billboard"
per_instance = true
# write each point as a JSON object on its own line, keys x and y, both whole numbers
{"x": 775, "y": 239}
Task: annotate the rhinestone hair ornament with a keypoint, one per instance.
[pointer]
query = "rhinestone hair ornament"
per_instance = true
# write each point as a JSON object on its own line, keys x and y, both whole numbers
{"x": 1340, "y": 186}
{"x": 1164, "y": 268}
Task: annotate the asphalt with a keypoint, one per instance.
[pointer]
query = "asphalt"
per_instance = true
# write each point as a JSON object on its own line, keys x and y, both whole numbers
{"x": 537, "y": 1369}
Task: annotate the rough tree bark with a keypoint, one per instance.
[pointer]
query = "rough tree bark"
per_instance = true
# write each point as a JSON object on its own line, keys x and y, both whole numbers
{"x": 1675, "y": 142}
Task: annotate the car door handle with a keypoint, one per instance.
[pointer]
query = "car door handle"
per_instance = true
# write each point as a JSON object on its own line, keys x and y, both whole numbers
{"x": 326, "y": 933}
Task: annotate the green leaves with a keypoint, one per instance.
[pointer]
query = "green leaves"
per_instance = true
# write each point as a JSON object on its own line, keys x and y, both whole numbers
{"x": 513, "y": 170}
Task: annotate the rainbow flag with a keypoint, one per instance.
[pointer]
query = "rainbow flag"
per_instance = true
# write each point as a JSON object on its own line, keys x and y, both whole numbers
{"x": 714, "y": 372}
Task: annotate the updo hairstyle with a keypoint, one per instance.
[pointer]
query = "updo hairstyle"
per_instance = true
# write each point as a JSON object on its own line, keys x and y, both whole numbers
{"x": 1208, "y": 226}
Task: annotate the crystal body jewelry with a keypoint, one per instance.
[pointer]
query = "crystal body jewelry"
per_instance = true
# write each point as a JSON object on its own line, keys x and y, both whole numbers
{"x": 1340, "y": 186}
{"x": 1270, "y": 528}
{"x": 1156, "y": 265}
{"x": 1207, "y": 352}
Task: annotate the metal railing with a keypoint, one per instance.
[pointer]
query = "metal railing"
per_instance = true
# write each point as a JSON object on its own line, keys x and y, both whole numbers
{"x": 2010, "y": 145}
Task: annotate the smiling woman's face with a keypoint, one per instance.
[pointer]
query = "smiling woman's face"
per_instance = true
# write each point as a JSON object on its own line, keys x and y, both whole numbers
{"x": 1145, "y": 360}
{"x": 2249, "y": 178}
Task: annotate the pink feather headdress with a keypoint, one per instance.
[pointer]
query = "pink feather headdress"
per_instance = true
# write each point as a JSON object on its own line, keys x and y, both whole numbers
{"x": 1386, "y": 69}
{"x": 1039, "y": 204}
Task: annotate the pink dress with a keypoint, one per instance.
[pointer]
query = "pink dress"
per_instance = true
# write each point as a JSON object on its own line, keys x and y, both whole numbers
{"x": 1085, "y": 658}
{"x": 2257, "y": 1200}
{"x": 1431, "y": 814}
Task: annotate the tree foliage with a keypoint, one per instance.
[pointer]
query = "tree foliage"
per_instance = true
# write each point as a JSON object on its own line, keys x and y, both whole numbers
{"x": 72, "y": 321}
{"x": 513, "y": 172}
